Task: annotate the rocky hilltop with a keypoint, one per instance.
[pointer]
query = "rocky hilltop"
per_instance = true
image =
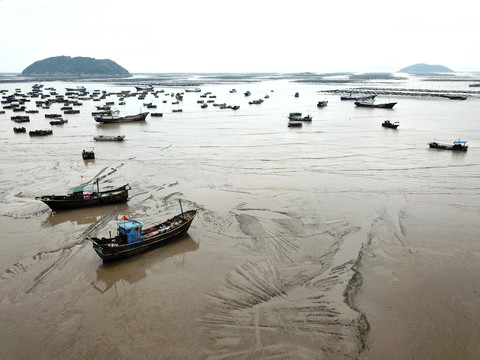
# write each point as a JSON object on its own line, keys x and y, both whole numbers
{"x": 425, "y": 69}
{"x": 76, "y": 67}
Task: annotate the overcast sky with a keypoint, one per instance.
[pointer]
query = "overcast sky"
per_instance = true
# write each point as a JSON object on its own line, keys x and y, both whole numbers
{"x": 243, "y": 36}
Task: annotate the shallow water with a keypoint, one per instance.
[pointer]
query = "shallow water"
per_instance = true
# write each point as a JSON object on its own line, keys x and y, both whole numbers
{"x": 285, "y": 219}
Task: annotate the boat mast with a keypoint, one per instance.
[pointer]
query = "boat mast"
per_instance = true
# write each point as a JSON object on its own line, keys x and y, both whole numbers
{"x": 181, "y": 209}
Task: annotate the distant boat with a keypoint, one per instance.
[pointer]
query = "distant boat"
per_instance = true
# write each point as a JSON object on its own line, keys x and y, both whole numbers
{"x": 295, "y": 123}
{"x": 144, "y": 88}
{"x": 156, "y": 114}
{"x": 321, "y": 104}
{"x": 390, "y": 125}
{"x": 193, "y": 90}
{"x": 247, "y": 93}
{"x": 40, "y": 132}
{"x": 358, "y": 98}
{"x": 297, "y": 94}
{"x": 132, "y": 239}
{"x": 232, "y": 91}
{"x": 58, "y": 122}
{"x": 108, "y": 119}
{"x": 457, "y": 145}
{"x": 19, "y": 130}
{"x": 372, "y": 105}
{"x": 109, "y": 138}
{"x": 88, "y": 155}
{"x": 296, "y": 116}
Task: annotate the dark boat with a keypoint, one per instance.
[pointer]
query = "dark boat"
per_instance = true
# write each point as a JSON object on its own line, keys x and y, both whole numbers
{"x": 20, "y": 118}
{"x": 106, "y": 119}
{"x": 132, "y": 240}
{"x": 372, "y": 105}
{"x": 390, "y": 125}
{"x": 156, "y": 114}
{"x": 296, "y": 116}
{"x": 294, "y": 124}
{"x": 88, "y": 155}
{"x": 457, "y": 145}
{"x": 58, "y": 121}
{"x": 53, "y": 116}
{"x": 358, "y": 98}
{"x": 85, "y": 196}
{"x": 322, "y": 104}
{"x": 40, "y": 132}
{"x": 109, "y": 138}
{"x": 19, "y": 130}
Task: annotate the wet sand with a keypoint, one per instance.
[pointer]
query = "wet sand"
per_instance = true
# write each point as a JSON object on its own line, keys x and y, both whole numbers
{"x": 339, "y": 240}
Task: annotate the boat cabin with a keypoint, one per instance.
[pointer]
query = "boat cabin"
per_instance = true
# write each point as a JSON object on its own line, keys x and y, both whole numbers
{"x": 130, "y": 231}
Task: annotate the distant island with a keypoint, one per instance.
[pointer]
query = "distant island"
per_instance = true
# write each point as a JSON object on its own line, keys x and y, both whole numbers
{"x": 77, "y": 67}
{"x": 425, "y": 69}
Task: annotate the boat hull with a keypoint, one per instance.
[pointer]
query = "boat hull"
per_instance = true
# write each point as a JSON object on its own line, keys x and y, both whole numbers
{"x": 104, "y": 249}
{"x": 370, "y": 105}
{"x": 64, "y": 202}
{"x": 121, "y": 119}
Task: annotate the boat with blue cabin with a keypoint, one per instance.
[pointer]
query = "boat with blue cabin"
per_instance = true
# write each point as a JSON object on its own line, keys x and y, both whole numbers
{"x": 132, "y": 239}
{"x": 457, "y": 145}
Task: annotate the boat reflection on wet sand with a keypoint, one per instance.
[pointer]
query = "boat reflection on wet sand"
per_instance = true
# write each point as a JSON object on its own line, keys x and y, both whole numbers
{"x": 134, "y": 269}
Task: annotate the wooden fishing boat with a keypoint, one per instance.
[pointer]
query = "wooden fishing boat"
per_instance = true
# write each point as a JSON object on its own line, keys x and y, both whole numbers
{"x": 390, "y": 125}
{"x": 88, "y": 155}
{"x": 106, "y": 119}
{"x": 85, "y": 196}
{"x": 40, "y": 132}
{"x": 131, "y": 239}
{"x": 372, "y": 105}
{"x": 19, "y": 130}
{"x": 457, "y": 145}
{"x": 322, "y": 103}
{"x": 58, "y": 121}
{"x": 296, "y": 116}
{"x": 109, "y": 138}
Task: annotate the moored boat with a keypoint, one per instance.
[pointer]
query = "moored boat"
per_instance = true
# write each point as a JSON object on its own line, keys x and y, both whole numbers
{"x": 88, "y": 155}
{"x": 457, "y": 145}
{"x": 390, "y": 125}
{"x": 85, "y": 196}
{"x": 58, "y": 121}
{"x": 132, "y": 239}
{"x": 109, "y": 138}
{"x": 296, "y": 116}
{"x": 372, "y": 105}
{"x": 322, "y": 104}
{"x": 19, "y": 130}
{"x": 40, "y": 132}
{"x": 106, "y": 119}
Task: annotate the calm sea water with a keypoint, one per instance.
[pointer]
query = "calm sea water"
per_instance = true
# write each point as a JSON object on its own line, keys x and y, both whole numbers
{"x": 280, "y": 211}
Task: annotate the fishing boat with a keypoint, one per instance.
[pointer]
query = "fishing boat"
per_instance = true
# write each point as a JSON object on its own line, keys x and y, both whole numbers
{"x": 40, "y": 132}
{"x": 457, "y": 145}
{"x": 132, "y": 239}
{"x": 322, "y": 104}
{"x": 295, "y": 123}
{"x": 109, "y": 138}
{"x": 19, "y": 130}
{"x": 85, "y": 196}
{"x": 58, "y": 121}
{"x": 88, "y": 155}
{"x": 390, "y": 125}
{"x": 107, "y": 119}
{"x": 358, "y": 98}
{"x": 296, "y": 116}
{"x": 372, "y": 105}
